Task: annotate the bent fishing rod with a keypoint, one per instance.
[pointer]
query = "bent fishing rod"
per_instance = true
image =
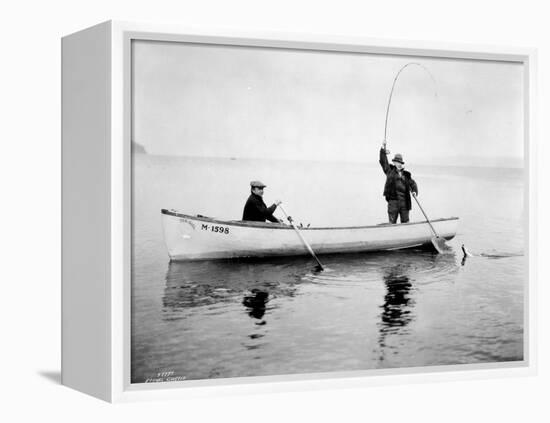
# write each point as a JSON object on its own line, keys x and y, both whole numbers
{"x": 393, "y": 87}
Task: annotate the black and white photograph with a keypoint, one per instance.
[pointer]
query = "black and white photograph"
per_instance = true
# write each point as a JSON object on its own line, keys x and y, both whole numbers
{"x": 289, "y": 212}
{"x": 299, "y": 211}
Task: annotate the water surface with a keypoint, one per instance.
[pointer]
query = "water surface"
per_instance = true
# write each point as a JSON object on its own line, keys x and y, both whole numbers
{"x": 217, "y": 319}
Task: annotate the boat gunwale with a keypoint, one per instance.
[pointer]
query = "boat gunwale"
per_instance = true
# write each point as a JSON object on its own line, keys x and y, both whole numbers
{"x": 262, "y": 225}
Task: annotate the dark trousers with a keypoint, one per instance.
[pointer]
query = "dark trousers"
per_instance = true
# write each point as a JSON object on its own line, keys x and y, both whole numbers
{"x": 397, "y": 208}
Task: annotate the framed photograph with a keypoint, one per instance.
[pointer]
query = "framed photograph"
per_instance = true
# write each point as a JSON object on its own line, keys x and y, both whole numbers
{"x": 271, "y": 211}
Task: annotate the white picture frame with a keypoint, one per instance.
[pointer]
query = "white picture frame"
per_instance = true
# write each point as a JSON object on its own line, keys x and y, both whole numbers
{"x": 96, "y": 209}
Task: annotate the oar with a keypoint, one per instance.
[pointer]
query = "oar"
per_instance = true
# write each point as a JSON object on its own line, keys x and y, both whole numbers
{"x": 437, "y": 241}
{"x": 319, "y": 265}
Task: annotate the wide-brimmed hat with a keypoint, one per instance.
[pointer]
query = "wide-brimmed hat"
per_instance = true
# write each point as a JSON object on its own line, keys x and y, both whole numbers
{"x": 398, "y": 158}
{"x": 257, "y": 184}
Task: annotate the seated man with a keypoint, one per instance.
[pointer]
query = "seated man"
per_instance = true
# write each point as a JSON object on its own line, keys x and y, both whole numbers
{"x": 255, "y": 208}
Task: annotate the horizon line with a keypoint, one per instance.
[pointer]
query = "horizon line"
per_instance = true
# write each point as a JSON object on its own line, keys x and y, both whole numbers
{"x": 491, "y": 164}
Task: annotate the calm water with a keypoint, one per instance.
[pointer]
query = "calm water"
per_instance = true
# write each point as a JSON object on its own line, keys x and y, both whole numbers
{"x": 217, "y": 319}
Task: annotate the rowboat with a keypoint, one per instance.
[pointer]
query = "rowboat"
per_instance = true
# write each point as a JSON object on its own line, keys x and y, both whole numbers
{"x": 203, "y": 238}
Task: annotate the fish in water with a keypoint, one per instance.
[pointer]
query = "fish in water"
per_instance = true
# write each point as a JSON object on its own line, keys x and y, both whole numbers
{"x": 466, "y": 255}
{"x": 466, "y": 252}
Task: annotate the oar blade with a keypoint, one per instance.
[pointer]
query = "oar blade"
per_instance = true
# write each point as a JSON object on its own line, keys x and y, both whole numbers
{"x": 440, "y": 245}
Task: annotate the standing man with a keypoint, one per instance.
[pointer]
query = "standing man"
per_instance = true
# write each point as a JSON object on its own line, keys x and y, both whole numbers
{"x": 255, "y": 208}
{"x": 399, "y": 185}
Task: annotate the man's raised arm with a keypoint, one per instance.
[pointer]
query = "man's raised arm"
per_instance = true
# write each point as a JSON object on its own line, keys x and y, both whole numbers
{"x": 384, "y": 159}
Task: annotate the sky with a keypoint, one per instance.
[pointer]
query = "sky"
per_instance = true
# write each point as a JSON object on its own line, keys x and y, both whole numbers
{"x": 246, "y": 102}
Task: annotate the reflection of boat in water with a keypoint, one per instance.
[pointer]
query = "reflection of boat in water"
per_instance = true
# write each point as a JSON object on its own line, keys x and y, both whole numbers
{"x": 195, "y": 284}
{"x": 199, "y": 283}
{"x": 198, "y": 237}
{"x": 258, "y": 298}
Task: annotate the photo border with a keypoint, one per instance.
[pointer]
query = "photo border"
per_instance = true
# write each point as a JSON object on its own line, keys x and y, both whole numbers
{"x": 122, "y": 35}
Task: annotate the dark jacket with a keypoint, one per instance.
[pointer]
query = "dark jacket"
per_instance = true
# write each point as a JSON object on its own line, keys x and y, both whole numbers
{"x": 392, "y": 180}
{"x": 256, "y": 210}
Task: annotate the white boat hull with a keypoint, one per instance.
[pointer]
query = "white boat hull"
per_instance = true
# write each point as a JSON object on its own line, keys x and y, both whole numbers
{"x": 200, "y": 238}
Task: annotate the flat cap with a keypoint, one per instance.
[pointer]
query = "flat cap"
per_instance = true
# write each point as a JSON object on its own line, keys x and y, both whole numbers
{"x": 257, "y": 184}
